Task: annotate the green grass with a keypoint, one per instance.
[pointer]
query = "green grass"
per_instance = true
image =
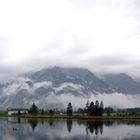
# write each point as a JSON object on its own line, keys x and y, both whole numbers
{"x": 76, "y": 116}
{"x": 3, "y": 113}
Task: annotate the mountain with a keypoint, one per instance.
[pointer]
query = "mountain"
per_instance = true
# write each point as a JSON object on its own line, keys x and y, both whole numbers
{"x": 46, "y": 86}
{"x": 122, "y": 83}
{"x": 77, "y": 76}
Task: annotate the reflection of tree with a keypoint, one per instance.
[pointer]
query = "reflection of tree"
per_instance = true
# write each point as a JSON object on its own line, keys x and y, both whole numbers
{"x": 79, "y": 122}
{"x": 33, "y": 124}
{"x": 101, "y": 129}
{"x": 42, "y": 122}
{"x": 109, "y": 123}
{"x": 19, "y": 120}
{"x": 69, "y": 125}
{"x": 128, "y": 122}
{"x": 95, "y": 126}
{"x": 51, "y": 123}
{"x": 91, "y": 126}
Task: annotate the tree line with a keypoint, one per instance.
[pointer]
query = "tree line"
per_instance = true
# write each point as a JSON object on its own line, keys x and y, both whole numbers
{"x": 91, "y": 109}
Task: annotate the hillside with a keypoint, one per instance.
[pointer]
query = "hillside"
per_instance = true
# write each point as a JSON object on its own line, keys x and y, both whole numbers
{"x": 46, "y": 86}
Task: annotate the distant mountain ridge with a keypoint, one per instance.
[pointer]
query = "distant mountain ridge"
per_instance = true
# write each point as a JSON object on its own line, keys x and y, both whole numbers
{"x": 57, "y": 81}
{"x": 78, "y": 76}
{"x": 122, "y": 83}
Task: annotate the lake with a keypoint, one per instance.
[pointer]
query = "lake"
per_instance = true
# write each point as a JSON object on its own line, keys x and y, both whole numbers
{"x": 25, "y": 129}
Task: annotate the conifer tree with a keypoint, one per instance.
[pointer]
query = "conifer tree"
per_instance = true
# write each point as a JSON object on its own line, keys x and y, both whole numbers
{"x": 96, "y": 108}
{"x": 87, "y": 107}
{"x": 69, "y": 109}
{"x": 33, "y": 110}
{"x": 91, "y": 109}
{"x": 101, "y": 108}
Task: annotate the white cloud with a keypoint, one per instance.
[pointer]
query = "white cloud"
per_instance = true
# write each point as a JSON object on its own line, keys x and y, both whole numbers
{"x": 52, "y": 100}
{"x": 114, "y": 100}
{"x": 69, "y": 33}
{"x": 64, "y": 85}
{"x": 42, "y": 84}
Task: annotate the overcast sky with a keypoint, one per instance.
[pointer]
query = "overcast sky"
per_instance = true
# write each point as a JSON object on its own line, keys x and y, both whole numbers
{"x": 102, "y": 35}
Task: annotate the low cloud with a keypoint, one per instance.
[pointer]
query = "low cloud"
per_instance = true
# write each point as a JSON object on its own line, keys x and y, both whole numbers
{"x": 50, "y": 99}
{"x": 102, "y": 36}
{"x": 113, "y": 100}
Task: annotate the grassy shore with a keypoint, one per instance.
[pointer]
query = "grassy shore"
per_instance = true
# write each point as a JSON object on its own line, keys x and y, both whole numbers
{"x": 84, "y": 117}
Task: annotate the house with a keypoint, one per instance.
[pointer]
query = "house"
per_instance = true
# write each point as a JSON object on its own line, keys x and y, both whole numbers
{"x": 17, "y": 111}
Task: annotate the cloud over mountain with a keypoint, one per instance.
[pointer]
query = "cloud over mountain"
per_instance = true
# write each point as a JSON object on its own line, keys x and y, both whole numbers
{"x": 54, "y": 87}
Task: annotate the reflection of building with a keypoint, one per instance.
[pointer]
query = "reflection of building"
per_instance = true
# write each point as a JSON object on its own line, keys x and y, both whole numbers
{"x": 16, "y": 120}
{"x": 17, "y": 111}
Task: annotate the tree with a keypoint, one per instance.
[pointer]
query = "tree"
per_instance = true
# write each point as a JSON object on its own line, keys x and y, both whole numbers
{"x": 42, "y": 112}
{"x": 109, "y": 110}
{"x": 101, "y": 108}
{"x": 96, "y": 108}
{"x": 87, "y": 107}
{"x": 19, "y": 112}
{"x": 51, "y": 112}
{"x": 69, "y": 109}
{"x": 91, "y": 110}
{"x": 80, "y": 111}
{"x": 33, "y": 110}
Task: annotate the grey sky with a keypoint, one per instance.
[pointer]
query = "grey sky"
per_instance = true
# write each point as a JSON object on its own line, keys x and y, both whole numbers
{"x": 100, "y": 35}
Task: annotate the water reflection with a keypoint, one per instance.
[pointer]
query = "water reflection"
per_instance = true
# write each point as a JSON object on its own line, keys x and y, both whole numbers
{"x": 51, "y": 123}
{"x": 94, "y": 127}
{"x": 109, "y": 123}
{"x": 69, "y": 125}
{"x": 19, "y": 120}
{"x": 33, "y": 123}
{"x": 42, "y": 122}
{"x": 68, "y": 129}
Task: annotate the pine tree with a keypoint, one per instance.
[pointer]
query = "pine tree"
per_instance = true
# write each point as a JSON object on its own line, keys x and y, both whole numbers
{"x": 42, "y": 112}
{"x": 101, "y": 108}
{"x": 33, "y": 110}
{"x": 87, "y": 107}
{"x": 91, "y": 110}
{"x": 96, "y": 108}
{"x": 69, "y": 109}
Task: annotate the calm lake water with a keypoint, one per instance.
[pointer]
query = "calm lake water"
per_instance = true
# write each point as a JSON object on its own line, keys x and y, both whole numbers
{"x": 24, "y": 129}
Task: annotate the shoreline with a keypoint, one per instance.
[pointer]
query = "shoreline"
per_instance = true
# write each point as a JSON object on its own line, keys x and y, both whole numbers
{"x": 75, "y": 117}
